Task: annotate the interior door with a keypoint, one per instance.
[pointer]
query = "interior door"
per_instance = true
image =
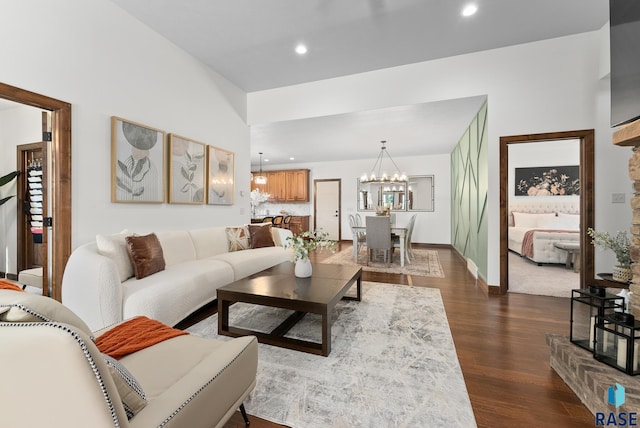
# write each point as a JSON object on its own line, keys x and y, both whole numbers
{"x": 327, "y": 207}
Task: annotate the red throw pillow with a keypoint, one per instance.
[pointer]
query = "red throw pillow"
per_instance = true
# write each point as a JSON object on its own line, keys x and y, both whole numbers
{"x": 145, "y": 253}
{"x": 261, "y": 236}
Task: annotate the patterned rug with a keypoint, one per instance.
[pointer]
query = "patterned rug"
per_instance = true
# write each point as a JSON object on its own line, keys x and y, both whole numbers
{"x": 392, "y": 363}
{"x": 426, "y": 263}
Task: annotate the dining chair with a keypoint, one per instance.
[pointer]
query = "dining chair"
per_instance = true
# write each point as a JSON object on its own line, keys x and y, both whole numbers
{"x": 358, "y": 219}
{"x": 379, "y": 237}
{"x": 407, "y": 240}
{"x": 268, "y": 219}
{"x": 362, "y": 240}
{"x": 287, "y": 222}
{"x": 277, "y": 220}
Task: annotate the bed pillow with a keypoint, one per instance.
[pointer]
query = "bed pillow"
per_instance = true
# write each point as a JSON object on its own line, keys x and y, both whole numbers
{"x": 145, "y": 253}
{"x": 549, "y": 222}
{"x": 530, "y": 220}
{"x": 569, "y": 221}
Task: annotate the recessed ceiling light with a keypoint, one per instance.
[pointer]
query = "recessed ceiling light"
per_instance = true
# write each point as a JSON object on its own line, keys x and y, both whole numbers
{"x": 301, "y": 49}
{"x": 469, "y": 10}
{"x": 266, "y": 160}
{"x": 292, "y": 158}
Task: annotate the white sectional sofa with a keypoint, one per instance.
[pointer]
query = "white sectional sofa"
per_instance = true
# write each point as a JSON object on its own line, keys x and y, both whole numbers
{"x": 197, "y": 263}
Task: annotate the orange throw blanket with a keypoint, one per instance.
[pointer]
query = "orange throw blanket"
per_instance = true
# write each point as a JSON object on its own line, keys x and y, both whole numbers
{"x": 8, "y": 285}
{"x": 133, "y": 335}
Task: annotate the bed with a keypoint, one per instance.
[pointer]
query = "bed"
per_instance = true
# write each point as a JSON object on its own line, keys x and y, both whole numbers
{"x": 534, "y": 228}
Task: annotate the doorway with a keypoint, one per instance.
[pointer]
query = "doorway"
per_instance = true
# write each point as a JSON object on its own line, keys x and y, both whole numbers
{"x": 326, "y": 206}
{"x": 586, "y": 203}
{"x": 60, "y": 178}
{"x": 32, "y": 240}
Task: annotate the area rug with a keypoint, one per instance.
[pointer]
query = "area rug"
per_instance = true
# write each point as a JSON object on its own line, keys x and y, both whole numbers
{"x": 526, "y": 277}
{"x": 392, "y": 363}
{"x": 426, "y": 263}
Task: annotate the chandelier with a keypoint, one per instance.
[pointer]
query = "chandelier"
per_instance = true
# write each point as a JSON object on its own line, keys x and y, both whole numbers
{"x": 378, "y": 175}
{"x": 260, "y": 178}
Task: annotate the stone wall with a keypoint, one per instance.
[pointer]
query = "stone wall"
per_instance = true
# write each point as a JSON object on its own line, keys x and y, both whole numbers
{"x": 629, "y": 136}
{"x": 589, "y": 378}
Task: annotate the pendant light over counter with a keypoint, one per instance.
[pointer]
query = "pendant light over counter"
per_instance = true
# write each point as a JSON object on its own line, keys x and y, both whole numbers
{"x": 260, "y": 178}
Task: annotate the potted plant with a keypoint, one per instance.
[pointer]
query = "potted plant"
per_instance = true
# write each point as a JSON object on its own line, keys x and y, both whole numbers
{"x": 301, "y": 245}
{"x": 619, "y": 244}
{"x": 5, "y": 180}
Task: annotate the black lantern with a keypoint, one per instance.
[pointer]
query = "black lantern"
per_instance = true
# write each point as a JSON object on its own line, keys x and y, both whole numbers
{"x": 617, "y": 342}
{"x": 586, "y": 304}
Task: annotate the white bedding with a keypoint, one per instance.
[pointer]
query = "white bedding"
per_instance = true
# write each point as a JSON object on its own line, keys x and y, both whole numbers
{"x": 561, "y": 219}
{"x": 544, "y": 250}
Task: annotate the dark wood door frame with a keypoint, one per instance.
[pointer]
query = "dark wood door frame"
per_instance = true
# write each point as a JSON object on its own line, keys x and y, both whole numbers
{"x": 587, "y": 176}
{"x": 59, "y": 175}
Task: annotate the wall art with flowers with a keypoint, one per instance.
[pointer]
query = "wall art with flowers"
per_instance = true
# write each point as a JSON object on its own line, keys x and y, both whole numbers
{"x": 548, "y": 181}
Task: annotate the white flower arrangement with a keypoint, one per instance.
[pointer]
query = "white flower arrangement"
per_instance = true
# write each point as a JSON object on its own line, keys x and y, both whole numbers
{"x": 257, "y": 197}
{"x": 306, "y": 242}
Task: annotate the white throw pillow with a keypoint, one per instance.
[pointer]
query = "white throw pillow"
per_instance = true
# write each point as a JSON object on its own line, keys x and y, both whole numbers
{"x": 115, "y": 247}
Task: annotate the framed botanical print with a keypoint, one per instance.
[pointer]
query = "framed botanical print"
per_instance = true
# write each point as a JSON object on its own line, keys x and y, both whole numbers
{"x": 186, "y": 171}
{"x": 221, "y": 177}
{"x": 548, "y": 181}
{"x": 137, "y": 162}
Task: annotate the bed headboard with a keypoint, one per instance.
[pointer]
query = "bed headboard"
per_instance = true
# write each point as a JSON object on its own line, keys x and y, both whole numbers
{"x": 571, "y": 206}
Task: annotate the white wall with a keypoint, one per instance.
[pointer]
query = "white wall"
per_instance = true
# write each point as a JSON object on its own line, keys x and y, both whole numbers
{"x": 19, "y": 125}
{"x": 430, "y": 227}
{"x": 542, "y": 153}
{"x": 106, "y": 63}
{"x": 546, "y": 86}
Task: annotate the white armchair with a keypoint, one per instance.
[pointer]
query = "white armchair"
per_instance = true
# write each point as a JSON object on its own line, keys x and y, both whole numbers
{"x": 48, "y": 355}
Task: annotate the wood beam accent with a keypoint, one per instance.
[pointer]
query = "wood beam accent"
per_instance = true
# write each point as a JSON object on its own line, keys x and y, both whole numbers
{"x": 628, "y": 135}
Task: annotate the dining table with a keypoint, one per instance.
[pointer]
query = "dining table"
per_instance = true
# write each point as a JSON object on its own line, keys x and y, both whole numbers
{"x": 400, "y": 231}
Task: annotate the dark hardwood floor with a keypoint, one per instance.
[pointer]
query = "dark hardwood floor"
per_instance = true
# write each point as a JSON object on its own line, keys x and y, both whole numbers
{"x": 500, "y": 341}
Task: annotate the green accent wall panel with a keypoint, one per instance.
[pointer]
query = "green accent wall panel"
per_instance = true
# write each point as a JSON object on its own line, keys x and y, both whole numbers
{"x": 469, "y": 187}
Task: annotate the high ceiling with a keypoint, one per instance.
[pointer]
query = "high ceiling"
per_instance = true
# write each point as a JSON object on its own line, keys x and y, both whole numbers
{"x": 251, "y": 43}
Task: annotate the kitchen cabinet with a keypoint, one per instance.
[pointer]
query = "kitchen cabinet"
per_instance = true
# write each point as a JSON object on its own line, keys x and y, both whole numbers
{"x": 297, "y": 185}
{"x": 299, "y": 224}
{"x": 275, "y": 186}
{"x": 286, "y": 185}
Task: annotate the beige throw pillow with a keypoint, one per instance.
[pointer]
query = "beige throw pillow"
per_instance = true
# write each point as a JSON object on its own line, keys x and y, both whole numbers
{"x": 115, "y": 247}
{"x": 238, "y": 238}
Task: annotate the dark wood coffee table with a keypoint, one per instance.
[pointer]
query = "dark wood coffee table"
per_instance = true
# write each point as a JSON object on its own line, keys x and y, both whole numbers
{"x": 278, "y": 287}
